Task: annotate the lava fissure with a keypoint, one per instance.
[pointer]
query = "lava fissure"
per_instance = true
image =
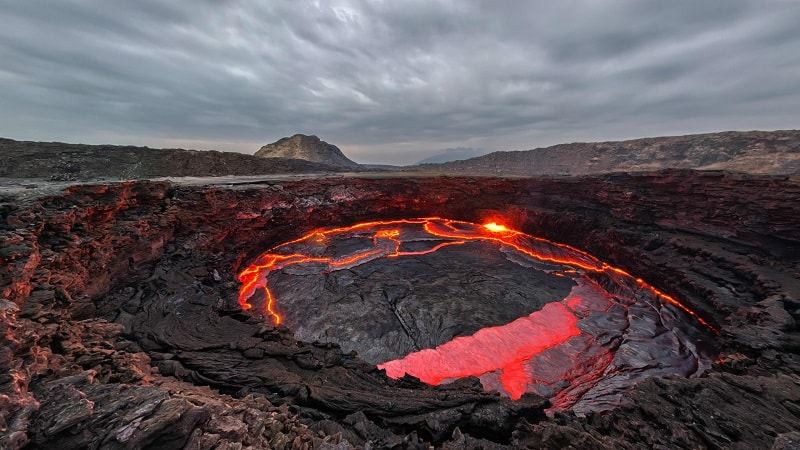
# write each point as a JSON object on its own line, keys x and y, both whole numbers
{"x": 406, "y": 328}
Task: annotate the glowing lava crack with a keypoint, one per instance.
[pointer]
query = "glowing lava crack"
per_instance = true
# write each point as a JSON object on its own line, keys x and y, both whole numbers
{"x": 581, "y": 349}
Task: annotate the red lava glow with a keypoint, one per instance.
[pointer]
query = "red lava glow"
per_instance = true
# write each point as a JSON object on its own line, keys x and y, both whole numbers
{"x": 504, "y": 350}
{"x": 466, "y": 356}
{"x": 387, "y": 244}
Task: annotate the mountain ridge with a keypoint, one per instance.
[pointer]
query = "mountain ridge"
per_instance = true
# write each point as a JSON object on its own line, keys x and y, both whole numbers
{"x": 62, "y": 161}
{"x": 773, "y": 152}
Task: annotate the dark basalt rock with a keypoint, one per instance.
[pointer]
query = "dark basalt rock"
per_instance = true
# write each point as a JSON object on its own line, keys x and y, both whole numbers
{"x": 121, "y": 328}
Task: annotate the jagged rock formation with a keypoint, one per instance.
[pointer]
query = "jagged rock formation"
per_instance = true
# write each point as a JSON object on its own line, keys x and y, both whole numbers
{"x": 59, "y": 161}
{"x": 776, "y": 152}
{"x": 308, "y": 148}
{"x": 120, "y": 324}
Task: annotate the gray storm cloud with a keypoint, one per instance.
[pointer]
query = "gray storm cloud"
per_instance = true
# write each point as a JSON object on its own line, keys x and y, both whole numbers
{"x": 393, "y": 81}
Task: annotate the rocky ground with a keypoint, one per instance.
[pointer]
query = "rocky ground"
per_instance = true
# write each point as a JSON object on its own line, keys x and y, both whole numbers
{"x": 121, "y": 327}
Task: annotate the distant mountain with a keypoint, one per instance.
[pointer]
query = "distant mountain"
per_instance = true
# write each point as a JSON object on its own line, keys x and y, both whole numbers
{"x": 309, "y": 148}
{"x": 60, "y": 161}
{"x": 773, "y": 152}
{"x": 381, "y": 167}
{"x": 453, "y": 154}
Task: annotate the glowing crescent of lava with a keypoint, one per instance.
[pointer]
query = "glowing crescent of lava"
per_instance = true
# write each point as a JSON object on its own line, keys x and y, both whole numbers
{"x": 387, "y": 243}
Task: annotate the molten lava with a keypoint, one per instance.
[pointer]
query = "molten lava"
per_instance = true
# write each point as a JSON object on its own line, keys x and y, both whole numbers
{"x": 495, "y": 227}
{"x": 516, "y": 357}
{"x": 466, "y": 356}
{"x": 254, "y": 276}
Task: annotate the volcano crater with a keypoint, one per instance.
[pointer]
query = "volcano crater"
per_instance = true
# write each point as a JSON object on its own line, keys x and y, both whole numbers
{"x": 138, "y": 287}
{"x": 442, "y": 299}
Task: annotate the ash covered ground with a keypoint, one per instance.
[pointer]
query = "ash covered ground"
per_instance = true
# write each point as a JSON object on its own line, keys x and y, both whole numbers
{"x": 122, "y": 327}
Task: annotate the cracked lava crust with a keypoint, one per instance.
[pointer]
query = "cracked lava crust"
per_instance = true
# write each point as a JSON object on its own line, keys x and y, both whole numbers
{"x": 621, "y": 311}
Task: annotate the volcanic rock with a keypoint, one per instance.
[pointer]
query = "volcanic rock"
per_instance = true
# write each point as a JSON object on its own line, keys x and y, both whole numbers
{"x": 117, "y": 333}
{"x": 308, "y": 148}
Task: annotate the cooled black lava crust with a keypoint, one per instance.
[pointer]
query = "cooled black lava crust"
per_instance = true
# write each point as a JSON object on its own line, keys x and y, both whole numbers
{"x": 387, "y": 308}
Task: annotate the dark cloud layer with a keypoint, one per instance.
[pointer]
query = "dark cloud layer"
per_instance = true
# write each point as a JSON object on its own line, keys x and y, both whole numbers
{"x": 393, "y": 81}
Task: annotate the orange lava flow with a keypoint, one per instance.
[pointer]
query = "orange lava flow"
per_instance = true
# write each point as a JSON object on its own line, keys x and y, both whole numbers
{"x": 387, "y": 243}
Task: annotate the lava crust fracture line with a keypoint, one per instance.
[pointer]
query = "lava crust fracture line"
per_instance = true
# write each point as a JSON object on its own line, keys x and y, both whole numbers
{"x": 387, "y": 243}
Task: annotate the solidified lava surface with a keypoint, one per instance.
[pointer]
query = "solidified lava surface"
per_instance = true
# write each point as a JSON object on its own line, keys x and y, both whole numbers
{"x": 121, "y": 325}
{"x": 442, "y": 299}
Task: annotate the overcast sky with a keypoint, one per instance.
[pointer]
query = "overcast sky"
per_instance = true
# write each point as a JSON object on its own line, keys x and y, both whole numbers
{"x": 394, "y": 81}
